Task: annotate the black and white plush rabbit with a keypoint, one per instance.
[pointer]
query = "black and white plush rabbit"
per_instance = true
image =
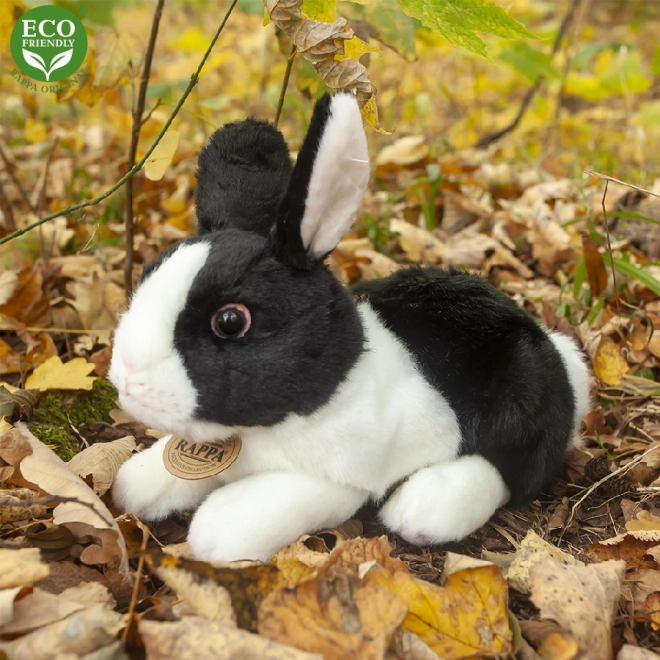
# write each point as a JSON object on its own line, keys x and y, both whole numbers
{"x": 430, "y": 380}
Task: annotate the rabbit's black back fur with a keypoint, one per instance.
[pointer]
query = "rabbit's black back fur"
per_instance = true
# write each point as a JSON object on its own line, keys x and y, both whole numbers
{"x": 242, "y": 175}
{"x": 497, "y": 368}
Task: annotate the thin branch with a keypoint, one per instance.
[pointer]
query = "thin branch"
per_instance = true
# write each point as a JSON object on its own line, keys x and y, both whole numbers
{"x": 604, "y": 177}
{"x": 39, "y": 195}
{"x": 136, "y": 584}
{"x": 91, "y": 202}
{"x": 138, "y": 111}
{"x": 147, "y": 117}
{"x": 609, "y": 246}
{"x": 10, "y": 170}
{"x": 59, "y": 499}
{"x": 5, "y": 205}
{"x": 285, "y": 83}
{"x": 621, "y": 470}
{"x": 489, "y": 138}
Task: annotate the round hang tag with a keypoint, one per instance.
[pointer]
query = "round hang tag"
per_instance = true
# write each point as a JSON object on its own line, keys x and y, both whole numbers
{"x": 198, "y": 460}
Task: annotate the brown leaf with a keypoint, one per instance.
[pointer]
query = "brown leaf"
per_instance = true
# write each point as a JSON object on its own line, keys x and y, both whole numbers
{"x": 335, "y": 614}
{"x": 88, "y": 518}
{"x": 38, "y": 609}
{"x": 102, "y": 461}
{"x": 596, "y": 271}
{"x": 247, "y": 586}
{"x": 20, "y": 567}
{"x": 28, "y": 305}
{"x": 582, "y": 599}
{"x": 627, "y": 548}
{"x": 194, "y": 637}
{"x": 361, "y": 550}
{"x": 54, "y": 541}
{"x": 419, "y": 245}
{"x": 320, "y": 43}
{"x": 83, "y": 632}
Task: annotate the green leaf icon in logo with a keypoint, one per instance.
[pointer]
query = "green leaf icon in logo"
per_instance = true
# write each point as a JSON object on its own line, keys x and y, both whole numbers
{"x": 59, "y": 61}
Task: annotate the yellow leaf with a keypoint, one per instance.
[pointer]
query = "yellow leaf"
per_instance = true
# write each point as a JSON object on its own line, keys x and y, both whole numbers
{"x": 609, "y": 364}
{"x": 53, "y": 374}
{"x": 355, "y": 48}
{"x": 161, "y": 157}
{"x": 35, "y": 131}
{"x": 466, "y": 618}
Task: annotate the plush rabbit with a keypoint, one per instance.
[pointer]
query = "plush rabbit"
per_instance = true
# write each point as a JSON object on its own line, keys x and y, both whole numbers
{"x": 428, "y": 383}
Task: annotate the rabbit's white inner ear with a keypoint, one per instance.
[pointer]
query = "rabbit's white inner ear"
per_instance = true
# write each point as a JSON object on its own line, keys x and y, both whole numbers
{"x": 339, "y": 178}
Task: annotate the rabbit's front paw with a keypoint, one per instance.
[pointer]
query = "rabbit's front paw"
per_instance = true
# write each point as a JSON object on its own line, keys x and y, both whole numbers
{"x": 256, "y": 516}
{"x": 146, "y": 489}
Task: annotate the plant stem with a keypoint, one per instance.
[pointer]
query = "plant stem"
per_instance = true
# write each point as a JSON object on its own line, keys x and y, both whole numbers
{"x": 104, "y": 195}
{"x": 138, "y": 111}
{"x": 285, "y": 84}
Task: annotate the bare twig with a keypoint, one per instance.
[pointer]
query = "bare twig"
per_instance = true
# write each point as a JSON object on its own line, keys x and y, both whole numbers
{"x": 147, "y": 117}
{"x": 138, "y": 111}
{"x": 604, "y": 177}
{"x": 10, "y": 170}
{"x": 621, "y": 470}
{"x": 609, "y": 246}
{"x": 489, "y": 138}
{"x": 285, "y": 83}
{"x": 58, "y": 499}
{"x": 5, "y": 205}
{"x": 136, "y": 584}
{"x": 39, "y": 194}
{"x": 99, "y": 198}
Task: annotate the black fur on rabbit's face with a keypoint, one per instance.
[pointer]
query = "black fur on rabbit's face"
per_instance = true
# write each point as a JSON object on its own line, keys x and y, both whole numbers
{"x": 243, "y": 324}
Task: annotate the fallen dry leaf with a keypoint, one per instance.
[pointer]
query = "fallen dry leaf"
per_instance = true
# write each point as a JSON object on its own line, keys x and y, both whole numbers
{"x": 582, "y": 599}
{"x": 516, "y": 566}
{"x": 247, "y": 585}
{"x": 204, "y": 597}
{"x": 37, "y": 609}
{"x": 629, "y": 652}
{"x": 419, "y": 244}
{"x": 595, "y": 266}
{"x": 53, "y": 374}
{"x": 87, "y": 517}
{"x": 465, "y": 618}
{"x": 335, "y": 614}
{"x": 21, "y": 567}
{"x": 609, "y": 364}
{"x": 632, "y": 548}
{"x": 194, "y": 637}
{"x": 102, "y": 461}
{"x": 83, "y": 632}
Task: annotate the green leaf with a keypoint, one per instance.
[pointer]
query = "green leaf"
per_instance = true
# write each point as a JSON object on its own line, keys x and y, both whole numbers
{"x": 393, "y": 27}
{"x": 579, "y": 278}
{"x": 251, "y": 7}
{"x": 528, "y": 61}
{"x": 631, "y": 270}
{"x": 320, "y": 10}
{"x": 655, "y": 62}
{"x": 458, "y": 21}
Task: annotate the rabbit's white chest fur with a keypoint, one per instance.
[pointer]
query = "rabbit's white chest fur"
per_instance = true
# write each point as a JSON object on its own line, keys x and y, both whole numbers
{"x": 383, "y": 423}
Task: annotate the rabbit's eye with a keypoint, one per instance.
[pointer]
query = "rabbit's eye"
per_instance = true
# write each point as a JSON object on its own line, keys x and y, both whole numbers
{"x": 231, "y": 320}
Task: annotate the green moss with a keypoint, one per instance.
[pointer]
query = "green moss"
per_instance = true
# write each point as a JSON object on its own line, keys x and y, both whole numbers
{"x": 59, "y": 410}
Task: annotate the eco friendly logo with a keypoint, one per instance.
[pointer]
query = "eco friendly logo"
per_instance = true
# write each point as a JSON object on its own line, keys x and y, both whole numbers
{"x": 48, "y": 43}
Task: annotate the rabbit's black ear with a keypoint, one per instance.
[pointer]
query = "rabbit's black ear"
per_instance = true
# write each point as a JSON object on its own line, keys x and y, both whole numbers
{"x": 327, "y": 185}
{"x": 242, "y": 174}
